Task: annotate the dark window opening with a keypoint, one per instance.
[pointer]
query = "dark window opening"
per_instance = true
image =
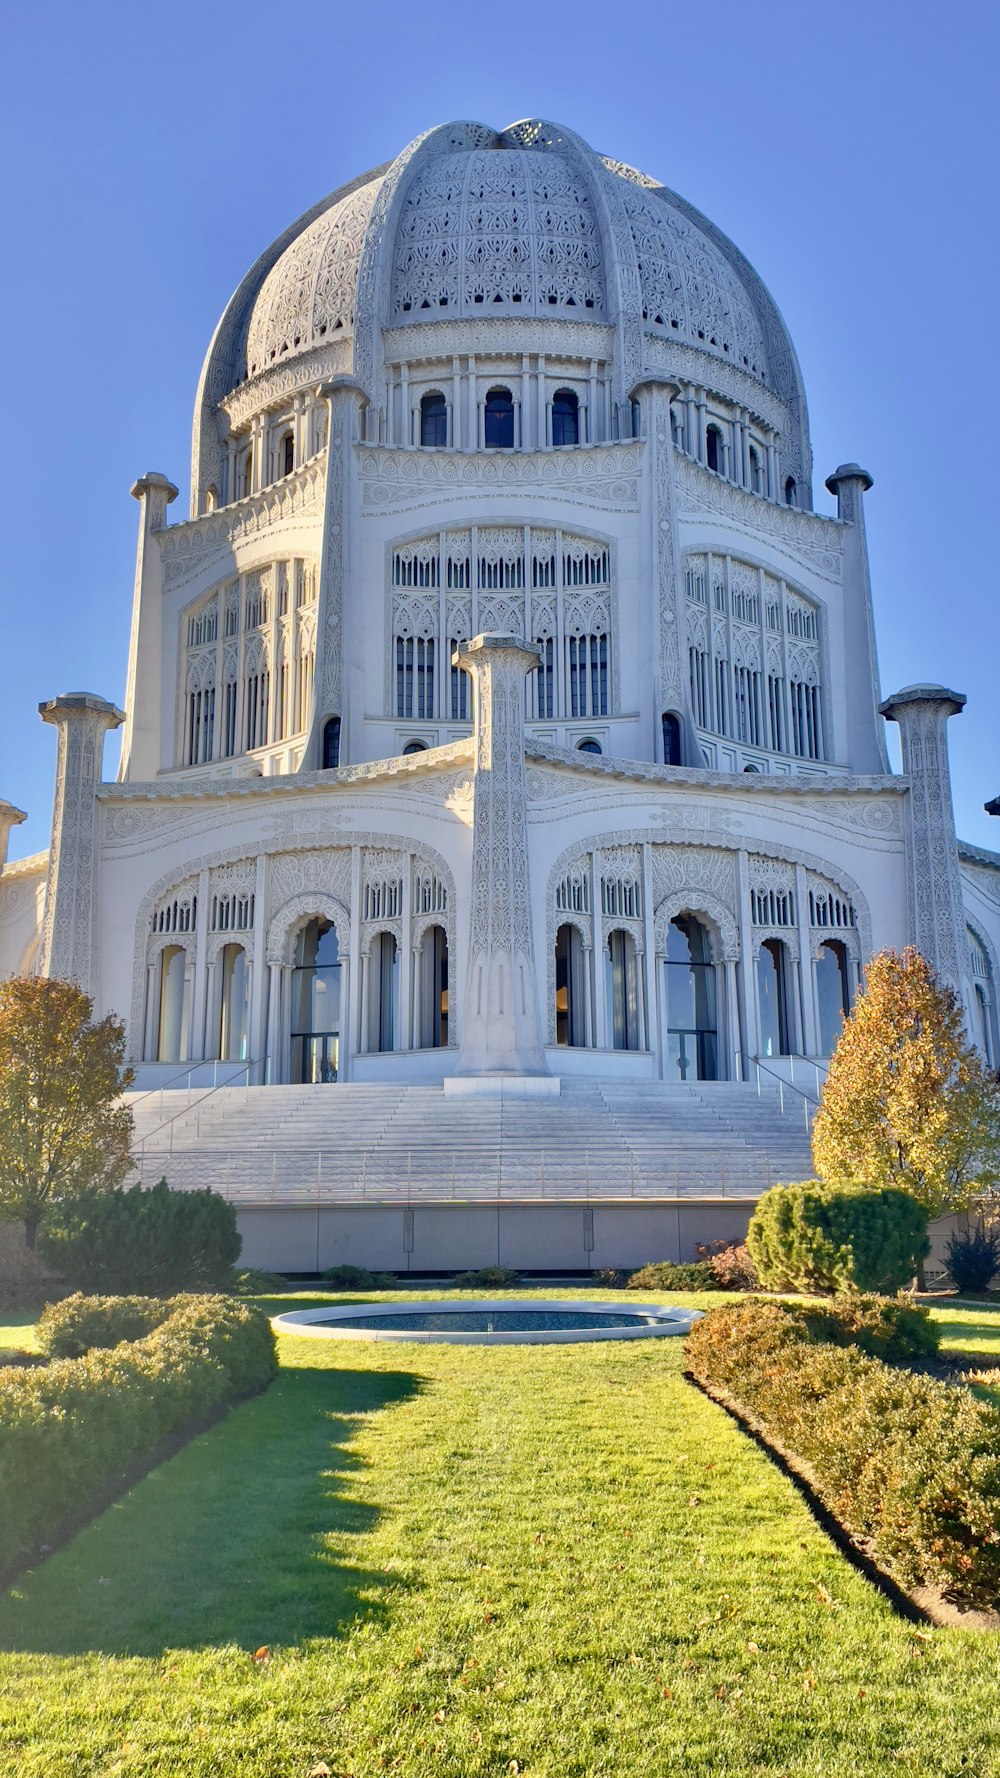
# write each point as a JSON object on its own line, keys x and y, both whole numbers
{"x": 331, "y": 744}
{"x": 434, "y": 420}
{"x": 287, "y": 454}
{"x": 713, "y": 449}
{"x": 499, "y": 420}
{"x": 671, "y": 739}
{"x": 565, "y": 418}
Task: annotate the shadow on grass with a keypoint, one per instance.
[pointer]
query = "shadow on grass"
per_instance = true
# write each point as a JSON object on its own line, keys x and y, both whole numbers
{"x": 244, "y": 1537}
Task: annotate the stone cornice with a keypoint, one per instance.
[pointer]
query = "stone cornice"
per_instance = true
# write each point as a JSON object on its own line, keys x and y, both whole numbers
{"x": 413, "y": 765}
{"x": 186, "y": 547}
{"x": 704, "y": 370}
{"x": 35, "y": 866}
{"x": 274, "y": 386}
{"x": 747, "y": 784}
{"x": 598, "y": 475}
{"x": 978, "y": 855}
{"x": 498, "y": 336}
{"x": 811, "y": 539}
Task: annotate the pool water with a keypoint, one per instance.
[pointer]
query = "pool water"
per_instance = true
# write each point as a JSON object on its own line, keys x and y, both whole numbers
{"x": 490, "y": 1320}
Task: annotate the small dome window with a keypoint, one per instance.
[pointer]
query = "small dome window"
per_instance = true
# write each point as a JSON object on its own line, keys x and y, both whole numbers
{"x": 713, "y": 449}
{"x": 791, "y": 492}
{"x": 288, "y": 453}
{"x": 589, "y": 745}
{"x": 565, "y": 418}
{"x": 331, "y": 744}
{"x": 756, "y": 478}
{"x": 671, "y": 739}
{"x": 434, "y": 420}
{"x": 415, "y": 747}
{"x": 499, "y": 420}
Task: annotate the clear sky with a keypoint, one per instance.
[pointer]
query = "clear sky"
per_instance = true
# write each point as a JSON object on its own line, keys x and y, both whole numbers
{"x": 150, "y": 154}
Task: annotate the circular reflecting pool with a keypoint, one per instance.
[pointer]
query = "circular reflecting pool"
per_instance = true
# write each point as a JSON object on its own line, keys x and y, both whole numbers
{"x": 488, "y": 1323}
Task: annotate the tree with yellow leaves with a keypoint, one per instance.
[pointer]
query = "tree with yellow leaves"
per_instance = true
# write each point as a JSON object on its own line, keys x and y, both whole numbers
{"x": 62, "y": 1127}
{"x": 907, "y": 1101}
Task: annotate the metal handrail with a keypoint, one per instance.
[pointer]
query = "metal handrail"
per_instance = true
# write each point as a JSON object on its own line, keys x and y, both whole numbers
{"x": 808, "y": 1101}
{"x": 218, "y": 1086}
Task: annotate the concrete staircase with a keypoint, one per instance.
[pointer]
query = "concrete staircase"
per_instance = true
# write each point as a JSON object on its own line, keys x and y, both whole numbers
{"x": 360, "y": 1143}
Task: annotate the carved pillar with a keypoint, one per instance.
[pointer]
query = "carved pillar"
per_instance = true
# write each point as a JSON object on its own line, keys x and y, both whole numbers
{"x": 9, "y": 817}
{"x": 142, "y": 740}
{"x": 937, "y": 914}
{"x": 865, "y": 741}
{"x": 500, "y": 1031}
{"x": 70, "y": 934}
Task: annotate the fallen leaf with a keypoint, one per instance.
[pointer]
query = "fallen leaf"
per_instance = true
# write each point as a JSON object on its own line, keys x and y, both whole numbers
{"x": 320, "y": 1770}
{"x": 439, "y": 1716}
{"x": 262, "y": 1654}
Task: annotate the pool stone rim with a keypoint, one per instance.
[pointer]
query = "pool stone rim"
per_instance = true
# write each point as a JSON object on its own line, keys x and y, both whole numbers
{"x": 321, "y": 1323}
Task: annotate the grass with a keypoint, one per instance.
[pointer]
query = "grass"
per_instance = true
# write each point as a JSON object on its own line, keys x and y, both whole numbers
{"x": 557, "y": 1561}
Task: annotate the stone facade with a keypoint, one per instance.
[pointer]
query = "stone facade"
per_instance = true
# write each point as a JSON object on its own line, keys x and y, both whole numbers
{"x": 502, "y": 706}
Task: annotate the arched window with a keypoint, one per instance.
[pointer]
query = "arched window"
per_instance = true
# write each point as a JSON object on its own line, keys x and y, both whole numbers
{"x": 772, "y": 998}
{"x": 692, "y": 1003}
{"x": 288, "y": 453}
{"x": 434, "y": 419}
{"x": 589, "y": 745}
{"x": 245, "y": 475}
{"x": 499, "y": 420}
{"x": 565, "y": 418}
{"x": 984, "y": 992}
{"x": 791, "y": 492}
{"x": 751, "y": 768}
{"x": 756, "y": 477}
{"x": 234, "y": 1012}
{"x": 671, "y": 739}
{"x": 433, "y": 1001}
{"x": 415, "y": 677}
{"x": 383, "y": 992}
{"x": 315, "y": 1021}
{"x": 175, "y": 1005}
{"x": 832, "y": 993}
{"x": 415, "y": 747}
{"x": 622, "y": 988}
{"x": 331, "y": 743}
{"x": 211, "y": 499}
{"x": 713, "y": 449}
{"x": 572, "y": 989}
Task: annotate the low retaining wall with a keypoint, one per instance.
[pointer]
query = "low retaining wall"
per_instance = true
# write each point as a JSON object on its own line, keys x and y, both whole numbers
{"x": 446, "y": 1237}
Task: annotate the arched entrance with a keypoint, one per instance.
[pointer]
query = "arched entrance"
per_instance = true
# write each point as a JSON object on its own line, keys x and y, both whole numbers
{"x": 692, "y": 1047}
{"x": 315, "y": 1005}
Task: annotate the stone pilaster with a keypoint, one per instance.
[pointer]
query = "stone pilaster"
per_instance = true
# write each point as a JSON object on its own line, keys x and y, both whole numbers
{"x": 9, "y": 817}
{"x": 500, "y": 1032}
{"x": 142, "y": 742}
{"x": 70, "y": 932}
{"x": 865, "y": 738}
{"x": 937, "y": 916}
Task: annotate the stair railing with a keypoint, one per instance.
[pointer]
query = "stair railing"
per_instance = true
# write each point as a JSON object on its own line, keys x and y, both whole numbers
{"x": 809, "y": 1101}
{"x": 168, "y": 1123}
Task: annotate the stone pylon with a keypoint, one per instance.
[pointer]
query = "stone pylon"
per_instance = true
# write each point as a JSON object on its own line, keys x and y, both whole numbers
{"x": 70, "y": 933}
{"x": 500, "y": 1032}
{"x": 937, "y": 916}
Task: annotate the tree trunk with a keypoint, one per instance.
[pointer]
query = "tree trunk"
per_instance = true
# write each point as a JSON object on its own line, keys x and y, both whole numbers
{"x": 31, "y": 1229}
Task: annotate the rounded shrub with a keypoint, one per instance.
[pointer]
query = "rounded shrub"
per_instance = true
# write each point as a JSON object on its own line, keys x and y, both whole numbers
{"x": 487, "y": 1277}
{"x": 663, "y": 1274}
{"x": 155, "y": 1242}
{"x": 359, "y": 1278}
{"x": 830, "y": 1238}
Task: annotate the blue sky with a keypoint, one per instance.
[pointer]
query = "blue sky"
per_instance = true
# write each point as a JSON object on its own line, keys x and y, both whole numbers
{"x": 151, "y": 153}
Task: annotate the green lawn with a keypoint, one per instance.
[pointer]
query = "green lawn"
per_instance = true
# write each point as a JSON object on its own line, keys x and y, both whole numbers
{"x": 534, "y": 1560}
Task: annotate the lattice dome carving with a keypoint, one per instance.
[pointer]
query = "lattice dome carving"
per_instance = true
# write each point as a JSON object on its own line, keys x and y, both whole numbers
{"x": 308, "y": 296}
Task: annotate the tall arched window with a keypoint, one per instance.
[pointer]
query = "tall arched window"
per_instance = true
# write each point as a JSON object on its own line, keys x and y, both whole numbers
{"x": 434, "y": 419}
{"x": 622, "y": 987}
{"x": 315, "y": 1021}
{"x": 288, "y": 453}
{"x": 383, "y": 992}
{"x": 713, "y": 449}
{"x": 692, "y": 1003}
{"x": 772, "y": 998}
{"x": 791, "y": 492}
{"x": 175, "y": 1005}
{"x": 984, "y": 993}
{"x": 234, "y": 1011}
{"x": 756, "y": 476}
{"x": 433, "y": 990}
{"x": 331, "y": 743}
{"x": 565, "y": 418}
{"x": 572, "y": 989}
{"x": 499, "y": 420}
{"x": 671, "y": 739}
{"x": 832, "y": 993}
{"x": 415, "y": 677}
{"x": 245, "y": 476}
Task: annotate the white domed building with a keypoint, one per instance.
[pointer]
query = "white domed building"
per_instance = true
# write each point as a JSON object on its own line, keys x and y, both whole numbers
{"x": 504, "y": 815}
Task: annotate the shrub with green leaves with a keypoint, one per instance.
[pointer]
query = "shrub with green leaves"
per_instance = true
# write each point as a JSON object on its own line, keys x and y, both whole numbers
{"x": 663, "y": 1274}
{"x": 907, "y": 1463}
{"x": 486, "y": 1278}
{"x": 359, "y": 1278}
{"x": 829, "y": 1238}
{"x": 890, "y": 1327}
{"x": 81, "y": 1323}
{"x": 157, "y": 1241}
{"x": 73, "y": 1429}
{"x": 973, "y": 1260}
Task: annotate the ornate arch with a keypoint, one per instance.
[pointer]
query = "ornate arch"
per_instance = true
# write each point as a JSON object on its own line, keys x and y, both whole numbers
{"x": 311, "y": 905}
{"x": 721, "y": 922}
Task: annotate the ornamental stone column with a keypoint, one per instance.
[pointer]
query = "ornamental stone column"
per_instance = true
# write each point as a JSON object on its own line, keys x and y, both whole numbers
{"x": 936, "y": 912}
{"x": 500, "y": 1032}
{"x": 9, "y": 817}
{"x": 70, "y": 938}
{"x": 865, "y": 737}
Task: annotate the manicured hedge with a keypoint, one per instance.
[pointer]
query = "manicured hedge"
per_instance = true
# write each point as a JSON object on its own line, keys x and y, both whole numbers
{"x": 72, "y": 1432}
{"x": 909, "y": 1464}
{"x": 830, "y": 1238}
{"x": 663, "y": 1274}
{"x": 80, "y": 1323}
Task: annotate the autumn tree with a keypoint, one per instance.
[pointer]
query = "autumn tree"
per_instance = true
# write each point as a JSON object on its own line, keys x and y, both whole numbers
{"x": 907, "y": 1101}
{"x": 62, "y": 1127}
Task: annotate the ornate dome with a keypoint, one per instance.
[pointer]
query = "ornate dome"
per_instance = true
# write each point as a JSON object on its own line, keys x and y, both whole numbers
{"x": 308, "y": 296}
